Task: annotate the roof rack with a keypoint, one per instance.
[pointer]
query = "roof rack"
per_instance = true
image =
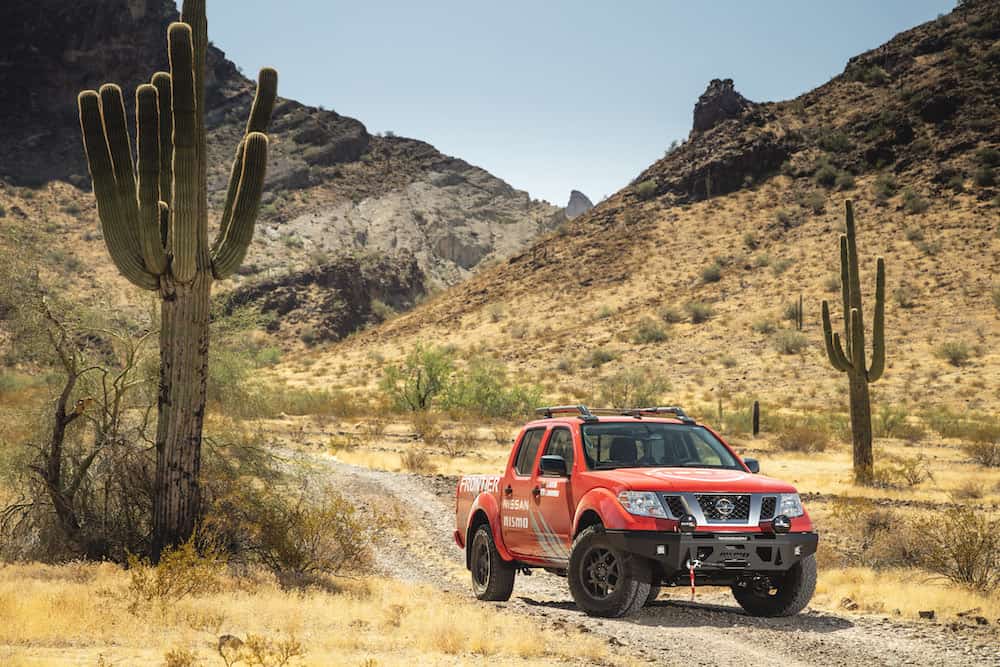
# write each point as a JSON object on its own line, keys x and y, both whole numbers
{"x": 591, "y": 414}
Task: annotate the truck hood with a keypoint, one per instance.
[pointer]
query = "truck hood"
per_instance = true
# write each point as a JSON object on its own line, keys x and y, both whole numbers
{"x": 696, "y": 479}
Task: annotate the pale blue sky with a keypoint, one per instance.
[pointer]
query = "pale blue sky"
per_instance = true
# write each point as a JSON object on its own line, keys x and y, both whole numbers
{"x": 549, "y": 95}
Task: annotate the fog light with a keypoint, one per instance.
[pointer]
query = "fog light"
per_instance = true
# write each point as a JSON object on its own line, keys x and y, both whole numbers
{"x": 661, "y": 549}
{"x": 687, "y": 524}
{"x": 781, "y": 524}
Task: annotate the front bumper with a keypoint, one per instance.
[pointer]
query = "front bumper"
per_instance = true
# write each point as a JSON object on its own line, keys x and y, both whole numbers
{"x": 717, "y": 552}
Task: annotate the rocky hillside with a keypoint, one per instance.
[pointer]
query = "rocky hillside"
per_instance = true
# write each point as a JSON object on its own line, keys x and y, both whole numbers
{"x": 689, "y": 272}
{"x": 332, "y": 186}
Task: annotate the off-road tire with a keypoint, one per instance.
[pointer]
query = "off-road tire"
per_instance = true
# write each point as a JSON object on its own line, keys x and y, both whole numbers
{"x": 792, "y": 591}
{"x": 492, "y": 576}
{"x": 654, "y": 592}
{"x": 628, "y": 591}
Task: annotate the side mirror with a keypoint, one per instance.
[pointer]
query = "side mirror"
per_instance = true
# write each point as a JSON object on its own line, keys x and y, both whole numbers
{"x": 753, "y": 464}
{"x": 553, "y": 465}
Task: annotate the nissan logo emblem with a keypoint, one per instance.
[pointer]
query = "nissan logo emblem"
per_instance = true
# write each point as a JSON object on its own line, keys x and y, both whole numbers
{"x": 724, "y": 506}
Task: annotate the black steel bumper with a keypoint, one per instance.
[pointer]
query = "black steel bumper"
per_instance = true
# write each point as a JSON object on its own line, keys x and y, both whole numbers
{"x": 718, "y": 553}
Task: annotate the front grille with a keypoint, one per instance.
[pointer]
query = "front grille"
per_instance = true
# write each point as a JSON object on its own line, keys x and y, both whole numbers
{"x": 725, "y": 507}
{"x": 676, "y": 506}
{"x": 767, "y": 505}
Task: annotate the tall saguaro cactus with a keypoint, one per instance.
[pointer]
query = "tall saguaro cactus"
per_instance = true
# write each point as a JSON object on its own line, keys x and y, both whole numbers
{"x": 849, "y": 357}
{"x": 154, "y": 216}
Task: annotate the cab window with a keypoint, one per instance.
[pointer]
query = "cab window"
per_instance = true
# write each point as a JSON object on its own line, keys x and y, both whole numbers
{"x": 561, "y": 444}
{"x": 527, "y": 453}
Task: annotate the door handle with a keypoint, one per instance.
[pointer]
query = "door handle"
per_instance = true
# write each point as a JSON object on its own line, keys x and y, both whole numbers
{"x": 508, "y": 490}
{"x": 536, "y": 492}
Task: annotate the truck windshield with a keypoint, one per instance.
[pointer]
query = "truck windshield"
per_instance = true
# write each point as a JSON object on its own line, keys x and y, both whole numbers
{"x": 627, "y": 445}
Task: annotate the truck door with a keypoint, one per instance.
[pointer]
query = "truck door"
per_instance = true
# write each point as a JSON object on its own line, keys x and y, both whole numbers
{"x": 554, "y": 502}
{"x": 516, "y": 499}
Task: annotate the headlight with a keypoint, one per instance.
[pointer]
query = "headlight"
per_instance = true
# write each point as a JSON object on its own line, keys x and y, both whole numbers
{"x": 642, "y": 503}
{"x": 790, "y": 505}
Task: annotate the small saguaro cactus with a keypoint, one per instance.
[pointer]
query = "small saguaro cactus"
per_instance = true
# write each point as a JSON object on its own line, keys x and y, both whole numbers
{"x": 848, "y": 355}
{"x": 154, "y": 216}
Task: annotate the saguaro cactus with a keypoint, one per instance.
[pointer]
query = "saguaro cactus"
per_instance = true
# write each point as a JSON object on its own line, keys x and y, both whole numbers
{"x": 154, "y": 216}
{"x": 850, "y": 357}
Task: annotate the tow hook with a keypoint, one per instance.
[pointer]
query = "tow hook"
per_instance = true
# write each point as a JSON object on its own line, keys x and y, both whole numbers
{"x": 692, "y": 565}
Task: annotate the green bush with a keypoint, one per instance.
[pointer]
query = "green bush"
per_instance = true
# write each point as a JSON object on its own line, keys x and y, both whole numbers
{"x": 885, "y": 186}
{"x": 845, "y": 181}
{"x": 835, "y": 141}
{"x": 649, "y": 331}
{"x": 788, "y": 341}
{"x": 646, "y": 190}
{"x": 781, "y": 265}
{"x": 633, "y": 388}
{"x": 802, "y": 438}
{"x": 786, "y": 218}
{"x": 826, "y": 175}
{"x": 964, "y": 552}
{"x": 914, "y": 203}
{"x": 484, "y": 389}
{"x": 600, "y": 356}
{"x": 956, "y": 353}
{"x": 419, "y": 380}
{"x": 906, "y": 296}
{"x": 764, "y": 326}
{"x": 984, "y": 177}
{"x": 699, "y": 312}
{"x": 712, "y": 273}
{"x": 672, "y": 315}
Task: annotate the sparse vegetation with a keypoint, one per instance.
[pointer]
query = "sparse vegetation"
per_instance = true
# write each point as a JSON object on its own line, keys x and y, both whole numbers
{"x": 421, "y": 378}
{"x": 956, "y": 353}
{"x": 649, "y": 331}
{"x": 600, "y": 356}
{"x": 632, "y": 387}
{"x": 698, "y": 311}
{"x": 914, "y": 203}
{"x": 802, "y": 438}
{"x": 672, "y": 315}
{"x": 712, "y": 273}
{"x": 788, "y": 341}
{"x": 646, "y": 190}
{"x": 885, "y": 186}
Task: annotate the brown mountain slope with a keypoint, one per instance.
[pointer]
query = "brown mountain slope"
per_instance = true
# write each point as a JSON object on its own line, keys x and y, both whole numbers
{"x": 906, "y": 132}
{"x": 331, "y": 186}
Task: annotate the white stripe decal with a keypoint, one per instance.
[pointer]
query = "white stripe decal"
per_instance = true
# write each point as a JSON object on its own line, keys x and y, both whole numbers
{"x": 555, "y": 543}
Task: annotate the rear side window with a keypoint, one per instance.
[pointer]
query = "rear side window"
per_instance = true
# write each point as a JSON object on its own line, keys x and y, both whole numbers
{"x": 561, "y": 444}
{"x": 528, "y": 451}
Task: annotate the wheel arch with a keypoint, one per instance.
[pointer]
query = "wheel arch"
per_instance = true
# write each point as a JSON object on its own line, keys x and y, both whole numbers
{"x": 485, "y": 510}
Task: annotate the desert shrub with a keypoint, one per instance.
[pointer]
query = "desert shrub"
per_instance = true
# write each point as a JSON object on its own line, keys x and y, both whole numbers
{"x": 632, "y": 388}
{"x": 698, "y": 311}
{"x": 604, "y": 312}
{"x": 901, "y": 471}
{"x": 834, "y": 141}
{"x": 600, "y": 356}
{"x": 786, "y": 218}
{"x": 672, "y": 315}
{"x": 484, "y": 389}
{"x": 260, "y": 651}
{"x": 826, "y": 175}
{"x": 889, "y": 420}
{"x": 181, "y": 572}
{"x": 646, "y": 190}
{"x": 781, "y": 265}
{"x": 812, "y": 200}
{"x": 984, "y": 453}
{"x": 930, "y": 247}
{"x": 789, "y": 341}
{"x": 428, "y": 427}
{"x": 791, "y": 312}
{"x": 762, "y": 260}
{"x": 423, "y": 376}
{"x": 764, "y": 326}
{"x": 832, "y": 283}
{"x": 496, "y": 312}
{"x": 382, "y": 311}
{"x": 417, "y": 461}
{"x": 268, "y": 356}
{"x": 914, "y": 234}
{"x": 914, "y": 203}
{"x": 649, "y": 331}
{"x": 802, "y": 438}
{"x": 750, "y": 241}
{"x": 966, "y": 552}
{"x": 885, "y": 186}
{"x": 869, "y": 73}
{"x": 845, "y": 181}
{"x": 988, "y": 157}
{"x": 177, "y": 657}
{"x": 906, "y": 296}
{"x": 956, "y": 353}
{"x": 995, "y": 294}
{"x": 712, "y": 273}
{"x": 871, "y": 536}
{"x": 984, "y": 177}
{"x": 969, "y": 426}
{"x": 970, "y": 489}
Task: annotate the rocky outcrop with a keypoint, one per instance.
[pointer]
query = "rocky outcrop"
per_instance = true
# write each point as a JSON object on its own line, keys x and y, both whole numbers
{"x": 719, "y": 102}
{"x": 578, "y": 204}
{"x": 336, "y": 298}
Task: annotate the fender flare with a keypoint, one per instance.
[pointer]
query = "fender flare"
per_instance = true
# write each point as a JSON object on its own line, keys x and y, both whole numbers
{"x": 604, "y": 503}
{"x": 491, "y": 508}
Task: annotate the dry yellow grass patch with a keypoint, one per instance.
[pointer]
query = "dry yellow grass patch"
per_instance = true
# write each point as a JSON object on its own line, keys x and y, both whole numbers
{"x": 908, "y": 591}
{"x": 75, "y": 613}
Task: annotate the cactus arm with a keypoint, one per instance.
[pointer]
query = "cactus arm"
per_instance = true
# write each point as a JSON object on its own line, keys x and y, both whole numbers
{"x": 162, "y": 82}
{"x": 878, "y": 327}
{"x": 259, "y": 119}
{"x": 184, "y": 206}
{"x": 124, "y": 253}
{"x": 117, "y": 136}
{"x": 832, "y": 340}
{"x": 845, "y": 288}
{"x": 230, "y": 253}
{"x": 148, "y": 140}
{"x": 165, "y": 224}
{"x": 858, "y": 344}
{"x": 193, "y": 14}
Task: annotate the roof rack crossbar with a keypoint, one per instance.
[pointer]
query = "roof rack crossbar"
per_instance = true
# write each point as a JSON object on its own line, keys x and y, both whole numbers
{"x": 590, "y": 414}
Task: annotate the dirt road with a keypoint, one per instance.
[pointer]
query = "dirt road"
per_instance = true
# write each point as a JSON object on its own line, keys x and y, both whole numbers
{"x": 711, "y": 631}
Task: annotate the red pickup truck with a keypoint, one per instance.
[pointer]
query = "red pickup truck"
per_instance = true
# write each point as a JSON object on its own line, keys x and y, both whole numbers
{"x": 624, "y": 502}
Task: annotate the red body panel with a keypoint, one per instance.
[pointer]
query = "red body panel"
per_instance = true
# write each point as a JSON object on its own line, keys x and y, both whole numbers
{"x": 534, "y": 517}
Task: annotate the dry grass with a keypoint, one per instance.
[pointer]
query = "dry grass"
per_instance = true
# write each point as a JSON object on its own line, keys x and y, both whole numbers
{"x": 76, "y": 613}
